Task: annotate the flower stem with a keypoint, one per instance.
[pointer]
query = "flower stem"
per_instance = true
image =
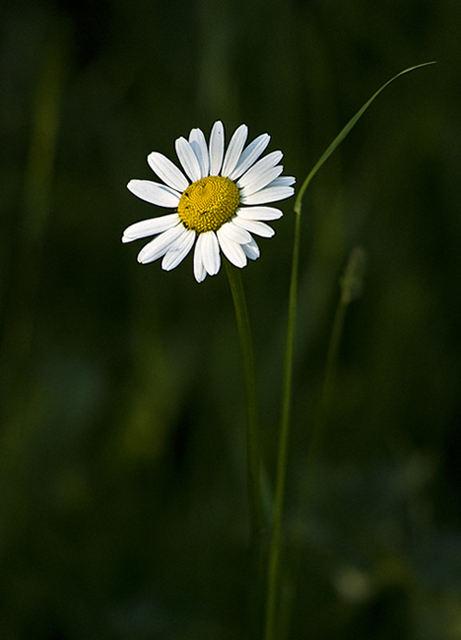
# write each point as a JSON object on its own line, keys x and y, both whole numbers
{"x": 252, "y": 429}
{"x": 350, "y": 289}
{"x": 273, "y": 569}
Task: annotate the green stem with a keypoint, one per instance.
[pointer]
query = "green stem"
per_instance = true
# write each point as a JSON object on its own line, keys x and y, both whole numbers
{"x": 318, "y": 428}
{"x": 252, "y": 429}
{"x": 274, "y": 551}
{"x": 351, "y": 289}
{"x": 351, "y": 284}
{"x": 275, "y": 543}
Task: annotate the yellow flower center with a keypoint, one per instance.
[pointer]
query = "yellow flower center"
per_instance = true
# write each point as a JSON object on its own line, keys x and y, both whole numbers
{"x": 208, "y": 203}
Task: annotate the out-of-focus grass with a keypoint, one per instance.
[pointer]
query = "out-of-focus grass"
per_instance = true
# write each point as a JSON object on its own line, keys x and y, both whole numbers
{"x": 122, "y": 475}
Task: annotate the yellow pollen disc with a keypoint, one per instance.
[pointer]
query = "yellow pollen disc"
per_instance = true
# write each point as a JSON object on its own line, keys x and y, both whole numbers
{"x": 208, "y": 203}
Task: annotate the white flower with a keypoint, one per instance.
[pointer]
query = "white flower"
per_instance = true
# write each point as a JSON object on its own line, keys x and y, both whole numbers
{"x": 217, "y": 201}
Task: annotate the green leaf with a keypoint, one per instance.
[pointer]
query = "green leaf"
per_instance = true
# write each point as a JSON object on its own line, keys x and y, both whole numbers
{"x": 340, "y": 137}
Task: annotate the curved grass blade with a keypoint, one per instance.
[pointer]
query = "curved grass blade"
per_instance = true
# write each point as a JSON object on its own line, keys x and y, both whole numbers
{"x": 340, "y": 137}
{"x": 273, "y": 570}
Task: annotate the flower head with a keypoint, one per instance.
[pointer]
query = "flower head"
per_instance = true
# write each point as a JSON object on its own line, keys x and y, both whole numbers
{"x": 217, "y": 199}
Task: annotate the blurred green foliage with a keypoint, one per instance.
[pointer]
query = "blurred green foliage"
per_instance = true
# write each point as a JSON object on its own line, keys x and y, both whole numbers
{"x": 122, "y": 454}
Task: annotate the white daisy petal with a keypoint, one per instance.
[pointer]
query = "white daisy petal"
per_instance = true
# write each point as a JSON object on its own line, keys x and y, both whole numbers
{"x": 261, "y": 180}
{"x": 251, "y": 250}
{"x": 179, "y": 250}
{"x": 216, "y": 148}
{"x": 199, "y": 269}
{"x": 188, "y": 159}
{"x": 234, "y": 150}
{"x": 157, "y": 247}
{"x": 259, "y": 213}
{"x": 150, "y": 227}
{"x": 250, "y": 155}
{"x": 198, "y": 143}
{"x": 254, "y": 226}
{"x": 155, "y": 193}
{"x": 167, "y": 171}
{"x": 283, "y": 181}
{"x": 268, "y": 194}
{"x": 232, "y": 250}
{"x": 210, "y": 252}
{"x": 260, "y": 168}
{"x": 235, "y": 232}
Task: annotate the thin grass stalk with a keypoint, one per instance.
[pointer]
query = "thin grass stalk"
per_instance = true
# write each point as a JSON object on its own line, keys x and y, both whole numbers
{"x": 273, "y": 571}
{"x": 275, "y": 544}
{"x": 351, "y": 289}
{"x": 252, "y": 428}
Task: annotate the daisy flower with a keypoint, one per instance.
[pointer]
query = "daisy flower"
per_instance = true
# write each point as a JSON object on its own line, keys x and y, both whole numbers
{"x": 218, "y": 201}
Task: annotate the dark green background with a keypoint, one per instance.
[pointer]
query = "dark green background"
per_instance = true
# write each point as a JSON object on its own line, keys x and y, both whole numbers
{"x": 122, "y": 455}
